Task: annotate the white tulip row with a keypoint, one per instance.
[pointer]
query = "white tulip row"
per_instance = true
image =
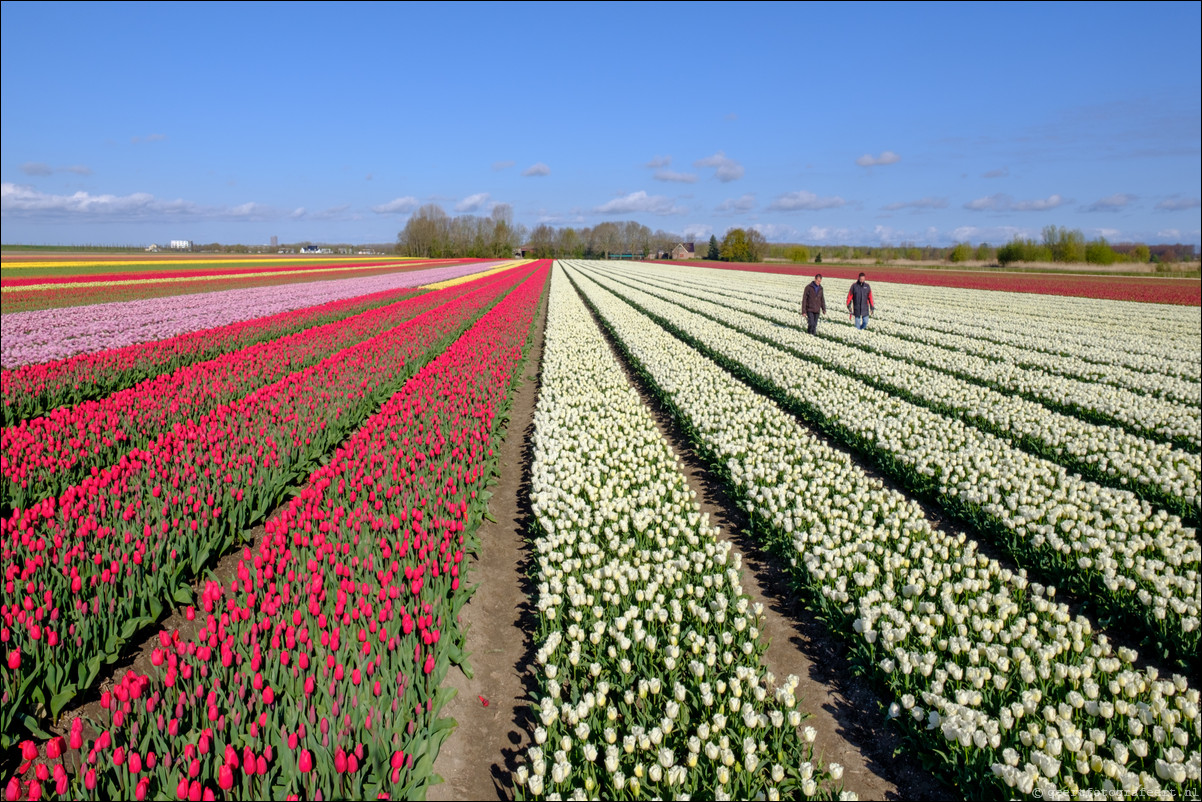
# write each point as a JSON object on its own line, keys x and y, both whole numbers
{"x": 1151, "y": 379}
{"x": 649, "y": 648}
{"x": 1141, "y": 336}
{"x": 1123, "y": 457}
{"x": 1140, "y": 328}
{"x": 1144, "y": 559}
{"x": 1114, "y": 352}
{"x": 1161, "y": 376}
{"x": 1137, "y": 410}
{"x": 999, "y": 677}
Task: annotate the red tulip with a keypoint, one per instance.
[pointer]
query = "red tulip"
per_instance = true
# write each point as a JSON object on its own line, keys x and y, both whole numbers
{"x": 305, "y": 762}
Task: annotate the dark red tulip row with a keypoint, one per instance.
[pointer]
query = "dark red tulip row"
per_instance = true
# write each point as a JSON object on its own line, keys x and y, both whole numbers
{"x": 44, "y": 456}
{"x": 85, "y": 571}
{"x": 317, "y": 671}
{"x": 33, "y": 390}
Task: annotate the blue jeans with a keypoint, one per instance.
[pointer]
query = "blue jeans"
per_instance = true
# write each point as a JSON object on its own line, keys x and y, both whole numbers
{"x": 862, "y": 322}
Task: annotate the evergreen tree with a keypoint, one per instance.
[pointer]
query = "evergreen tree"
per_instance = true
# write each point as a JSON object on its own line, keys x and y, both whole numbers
{"x": 712, "y": 254}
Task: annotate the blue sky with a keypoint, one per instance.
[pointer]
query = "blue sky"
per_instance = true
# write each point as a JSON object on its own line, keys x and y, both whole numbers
{"x": 819, "y": 123}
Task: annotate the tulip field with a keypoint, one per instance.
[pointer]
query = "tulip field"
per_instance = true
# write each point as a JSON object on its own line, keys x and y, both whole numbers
{"x": 990, "y": 499}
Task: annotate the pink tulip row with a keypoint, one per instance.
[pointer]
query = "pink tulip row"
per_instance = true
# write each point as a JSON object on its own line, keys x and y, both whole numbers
{"x": 44, "y": 456}
{"x": 316, "y": 672}
{"x": 43, "y": 335}
{"x": 93, "y": 566}
{"x": 33, "y": 390}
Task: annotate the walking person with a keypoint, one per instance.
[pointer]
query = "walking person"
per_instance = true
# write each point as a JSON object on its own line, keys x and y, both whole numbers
{"x": 859, "y": 302}
{"x": 813, "y": 302}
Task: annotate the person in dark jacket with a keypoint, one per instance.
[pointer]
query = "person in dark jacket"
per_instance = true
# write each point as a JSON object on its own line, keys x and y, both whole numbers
{"x": 859, "y": 302}
{"x": 813, "y": 302}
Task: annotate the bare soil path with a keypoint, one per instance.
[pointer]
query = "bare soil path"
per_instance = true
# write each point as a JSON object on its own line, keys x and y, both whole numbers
{"x": 478, "y": 759}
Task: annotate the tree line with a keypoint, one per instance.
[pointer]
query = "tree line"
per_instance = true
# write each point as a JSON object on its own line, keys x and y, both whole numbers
{"x": 1060, "y": 244}
{"x": 432, "y": 233}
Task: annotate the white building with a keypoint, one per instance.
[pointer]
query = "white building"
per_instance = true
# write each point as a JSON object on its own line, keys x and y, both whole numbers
{"x": 181, "y": 245}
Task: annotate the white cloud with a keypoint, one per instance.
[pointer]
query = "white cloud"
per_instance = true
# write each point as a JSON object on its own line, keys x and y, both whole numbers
{"x": 696, "y": 232}
{"x": 1109, "y": 233}
{"x": 743, "y": 203}
{"x": 1112, "y": 203}
{"x": 774, "y": 232}
{"x": 726, "y": 169}
{"x": 332, "y": 213}
{"x": 538, "y": 169}
{"x": 1169, "y": 234}
{"x": 1001, "y": 172}
{"x": 886, "y": 157}
{"x": 502, "y": 165}
{"x": 250, "y": 211}
{"x": 921, "y": 203}
{"x": 990, "y": 203}
{"x": 1004, "y": 203}
{"x": 473, "y": 203}
{"x": 994, "y": 234}
{"x": 1178, "y": 204}
{"x": 403, "y": 205}
{"x": 1040, "y": 204}
{"x": 570, "y": 218}
{"x": 672, "y": 175}
{"x": 803, "y": 200}
{"x": 827, "y": 234}
{"x": 659, "y": 161}
{"x": 43, "y": 169}
{"x": 17, "y": 200}
{"x": 640, "y": 202}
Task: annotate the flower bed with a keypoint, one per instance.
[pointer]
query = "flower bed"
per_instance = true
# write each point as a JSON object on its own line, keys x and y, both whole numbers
{"x": 1186, "y": 292}
{"x": 1133, "y": 560}
{"x": 101, "y": 561}
{"x": 43, "y": 456}
{"x": 318, "y": 671}
{"x": 1156, "y": 398}
{"x": 998, "y": 687}
{"x": 651, "y": 683}
{"x": 1169, "y": 477}
{"x": 48, "y": 334}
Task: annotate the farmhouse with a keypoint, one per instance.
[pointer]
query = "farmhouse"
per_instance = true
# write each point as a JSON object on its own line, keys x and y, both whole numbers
{"x": 684, "y": 250}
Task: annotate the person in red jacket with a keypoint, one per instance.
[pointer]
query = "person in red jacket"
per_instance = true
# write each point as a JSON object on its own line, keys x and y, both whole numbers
{"x": 813, "y": 302}
{"x": 859, "y": 302}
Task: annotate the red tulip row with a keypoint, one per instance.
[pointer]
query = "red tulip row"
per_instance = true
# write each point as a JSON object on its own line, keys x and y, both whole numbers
{"x": 46, "y": 455}
{"x": 317, "y": 671}
{"x": 100, "y": 562}
{"x": 33, "y": 390}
